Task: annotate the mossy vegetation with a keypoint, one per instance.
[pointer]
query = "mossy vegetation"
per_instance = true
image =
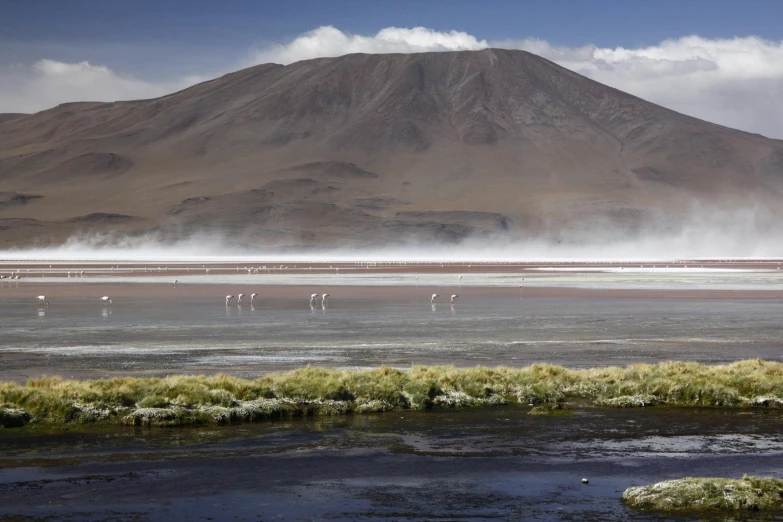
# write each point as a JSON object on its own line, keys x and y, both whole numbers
{"x": 709, "y": 494}
{"x": 551, "y": 409}
{"x": 180, "y": 400}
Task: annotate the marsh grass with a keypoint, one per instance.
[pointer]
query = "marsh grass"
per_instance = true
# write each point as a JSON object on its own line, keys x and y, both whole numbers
{"x": 709, "y": 494}
{"x": 551, "y": 409}
{"x": 184, "y": 399}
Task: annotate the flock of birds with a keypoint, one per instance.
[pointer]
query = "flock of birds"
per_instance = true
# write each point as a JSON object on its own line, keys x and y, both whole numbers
{"x": 435, "y": 296}
{"x": 229, "y": 298}
{"x": 239, "y": 297}
{"x": 45, "y": 302}
{"x": 314, "y": 298}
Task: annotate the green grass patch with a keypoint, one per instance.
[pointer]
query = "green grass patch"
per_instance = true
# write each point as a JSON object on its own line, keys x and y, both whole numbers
{"x": 708, "y": 494}
{"x": 221, "y": 399}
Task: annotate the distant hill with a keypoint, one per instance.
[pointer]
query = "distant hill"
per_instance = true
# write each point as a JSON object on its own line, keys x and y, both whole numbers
{"x": 377, "y": 149}
{"x": 8, "y": 116}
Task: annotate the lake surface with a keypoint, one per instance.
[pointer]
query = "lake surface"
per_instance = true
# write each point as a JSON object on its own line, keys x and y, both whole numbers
{"x": 489, "y": 464}
{"x": 162, "y": 334}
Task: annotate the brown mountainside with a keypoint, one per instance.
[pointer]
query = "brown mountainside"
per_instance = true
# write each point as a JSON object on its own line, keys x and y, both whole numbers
{"x": 371, "y": 149}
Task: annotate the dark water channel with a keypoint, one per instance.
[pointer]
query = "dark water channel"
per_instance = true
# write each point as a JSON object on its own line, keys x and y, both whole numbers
{"x": 489, "y": 464}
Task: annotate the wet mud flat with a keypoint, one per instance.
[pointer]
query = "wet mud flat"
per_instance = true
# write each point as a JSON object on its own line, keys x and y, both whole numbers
{"x": 489, "y": 464}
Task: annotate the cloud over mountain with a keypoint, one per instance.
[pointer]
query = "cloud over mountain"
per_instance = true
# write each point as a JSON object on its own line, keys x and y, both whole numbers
{"x": 47, "y": 83}
{"x": 736, "y": 82}
{"x": 329, "y": 41}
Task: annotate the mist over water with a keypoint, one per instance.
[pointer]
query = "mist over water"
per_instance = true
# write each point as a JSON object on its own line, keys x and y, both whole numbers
{"x": 732, "y": 239}
{"x": 738, "y": 231}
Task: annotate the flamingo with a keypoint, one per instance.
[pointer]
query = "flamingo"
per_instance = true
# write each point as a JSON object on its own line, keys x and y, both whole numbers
{"x": 453, "y": 297}
{"x": 323, "y": 298}
{"x": 175, "y": 282}
{"x": 228, "y": 299}
{"x": 432, "y": 299}
{"x": 239, "y": 299}
{"x": 253, "y": 299}
{"x": 42, "y": 299}
{"x": 106, "y": 299}
{"x": 313, "y": 297}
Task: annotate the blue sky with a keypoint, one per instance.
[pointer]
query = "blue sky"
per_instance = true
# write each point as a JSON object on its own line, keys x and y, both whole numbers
{"x": 52, "y": 51}
{"x": 237, "y": 22}
{"x": 170, "y": 36}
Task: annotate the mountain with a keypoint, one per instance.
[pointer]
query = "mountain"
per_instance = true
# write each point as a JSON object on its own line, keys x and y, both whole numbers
{"x": 376, "y": 149}
{"x": 8, "y": 116}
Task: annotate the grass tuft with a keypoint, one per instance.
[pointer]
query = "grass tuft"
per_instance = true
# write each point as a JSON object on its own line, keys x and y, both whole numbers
{"x": 13, "y": 418}
{"x": 708, "y": 494}
{"x": 195, "y": 399}
{"x": 551, "y": 409}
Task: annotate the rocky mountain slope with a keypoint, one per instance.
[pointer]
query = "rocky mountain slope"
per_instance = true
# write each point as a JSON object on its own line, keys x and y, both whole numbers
{"x": 376, "y": 149}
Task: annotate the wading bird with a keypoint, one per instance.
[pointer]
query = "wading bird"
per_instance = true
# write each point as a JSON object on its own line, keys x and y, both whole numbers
{"x": 228, "y": 299}
{"x": 323, "y": 298}
{"x": 313, "y": 297}
{"x": 432, "y": 299}
{"x": 42, "y": 299}
{"x": 239, "y": 299}
{"x": 253, "y": 299}
{"x": 106, "y": 299}
{"x": 453, "y": 297}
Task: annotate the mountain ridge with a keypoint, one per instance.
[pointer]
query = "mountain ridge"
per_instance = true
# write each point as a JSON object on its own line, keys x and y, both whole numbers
{"x": 492, "y": 131}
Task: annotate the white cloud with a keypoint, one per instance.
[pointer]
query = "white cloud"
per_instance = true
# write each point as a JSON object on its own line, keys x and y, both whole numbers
{"x": 330, "y": 41}
{"x": 736, "y": 82}
{"x": 47, "y": 83}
